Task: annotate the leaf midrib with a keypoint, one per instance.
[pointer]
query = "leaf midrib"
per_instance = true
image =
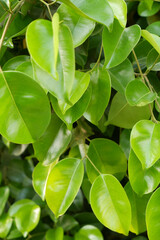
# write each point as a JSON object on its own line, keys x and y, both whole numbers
{"x": 16, "y": 105}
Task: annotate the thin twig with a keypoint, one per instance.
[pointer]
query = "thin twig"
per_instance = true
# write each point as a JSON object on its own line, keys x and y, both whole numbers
{"x": 98, "y": 60}
{"x": 47, "y": 5}
{"x": 148, "y": 70}
{"x": 5, "y": 30}
{"x": 151, "y": 89}
{"x": 139, "y": 68}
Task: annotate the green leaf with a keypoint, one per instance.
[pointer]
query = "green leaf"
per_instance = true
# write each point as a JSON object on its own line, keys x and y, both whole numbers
{"x": 4, "y": 194}
{"x": 26, "y": 214}
{"x": 154, "y": 28}
{"x": 6, "y": 3}
{"x": 137, "y": 93}
{"x": 56, "y": 233}
{"x": 110, "y": 204}
{"x": 121, "y": 75}
{"x": 89, "y": 232}
{"x": 40, "y": 177}
{"x": 100, "y": 12}
{"x": 153, "y": 215}
{"x": 75, "y": 112}
{"x": 17, "y": 27}
{"x": 108, "y": 158}
{"x": 5, "y": 225}
{"x": 63, "y": 184}
{"x": 54, "y": 141}
{"x": 138, "y": 207}
{"x": 149, "y": 3}
{"x": 123, "y": 115}
{"x": 143, "y": 181}
{"x": 153, "y": 39}
{"x": 26, "y": 67}
{"x": 125, "y": 142}
{"x": 25, "y": 114}
{"x": 67, "y": 56}
{"x": 55, "y": 27}
{"x": 67, "y": 222}
{"x": 145, "y": 142}
{"x": 119, "y": 43}
{"x": 119, "y": 8}
{"x": 153, "y": 57}
{"x": 14, "y": 62}
{"x": 101, "y": 91}
{"x": 143, "y": 10}
{"x": 41, "y": 45}
{"x": 80, "y": 27}
{"x": 141, "y": 50}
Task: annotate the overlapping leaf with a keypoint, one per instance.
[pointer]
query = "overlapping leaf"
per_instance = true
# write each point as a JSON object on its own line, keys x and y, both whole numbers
{"x": 63, "y": 184}
{"x": 119, "y": 43}
{"x": 145, "y": 142}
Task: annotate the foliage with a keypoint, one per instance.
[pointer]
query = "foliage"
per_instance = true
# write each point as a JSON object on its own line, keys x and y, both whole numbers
{"x": 79, "y": 119}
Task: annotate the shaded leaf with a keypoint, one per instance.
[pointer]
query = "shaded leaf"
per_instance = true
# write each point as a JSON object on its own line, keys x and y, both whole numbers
{"x": 54, "y": 141}
{"x": 108, "y": 158}
{"x": 143, "y": 181}
{"x": 123, "y": 115}
{"x": 101, "y": 90}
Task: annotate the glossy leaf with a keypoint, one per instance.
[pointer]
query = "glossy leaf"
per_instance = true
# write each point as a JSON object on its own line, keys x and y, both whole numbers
{"x": 80, "y": 27}
{"x": 110, "y": 204}
{"x": 54, "y": 141}
{"x": 153, "y": 39}
{"x": 63, "y": 184}
{"x": 26, "y": 214}
{"x": 14, "y": 62}
{"x": 99, "y": 11}
{"x": 138, "y": 208}
{"x": 56, "y": 233}
{"x": 114, "y": 42}
{"x": 108, "y": 158}
{"x": 26, "y": 111}
{"x": 143, "y": 181}
{"x": 145, "y": 142}
{"x": 40, "y": 44}
{"x": 5, "y": 225}
{"x": 4, "y": 194}
{"x": 151, "y": 58}
{"x": 145, "y": 12}
{"x": 40, "y": 177}
{"x": 137, "y": 93}
{"x": 75, "y": 112}
{"x": 26, "y": 67}
{"x": 123, "y": 115}
{"x": 101, "y": 90}
{"x": 119, "y": 8}
{"x": 89, "y": 232}
{"x": 153, "y": 215}
{"x": 154, "y": 28}
{"x": 121, "y": 76}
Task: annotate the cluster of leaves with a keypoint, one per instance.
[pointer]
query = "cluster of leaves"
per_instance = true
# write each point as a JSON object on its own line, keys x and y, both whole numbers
{"x": 79, "y": 119}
